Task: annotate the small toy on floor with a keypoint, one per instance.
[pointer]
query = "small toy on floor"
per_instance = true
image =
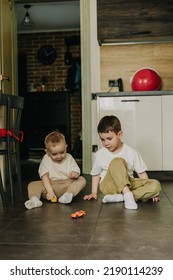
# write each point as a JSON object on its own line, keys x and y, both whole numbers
{"x": 78, "y": 214}
{"x": 54, "y": 199}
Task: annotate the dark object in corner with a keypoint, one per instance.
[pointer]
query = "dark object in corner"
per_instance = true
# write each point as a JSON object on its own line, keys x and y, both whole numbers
{"x": 68, "y": 58}
{"x": 73, "y": 81}
{"x": 77, "y": 149}
{"x": 120, "y": 84}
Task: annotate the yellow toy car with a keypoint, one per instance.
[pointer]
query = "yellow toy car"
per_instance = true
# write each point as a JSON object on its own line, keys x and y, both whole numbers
{"x": 54, "y": 199}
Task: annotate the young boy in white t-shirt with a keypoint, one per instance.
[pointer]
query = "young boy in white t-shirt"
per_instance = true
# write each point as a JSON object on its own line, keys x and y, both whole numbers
{"x": 114, "y": 168}
{"x": 59, "y": 173}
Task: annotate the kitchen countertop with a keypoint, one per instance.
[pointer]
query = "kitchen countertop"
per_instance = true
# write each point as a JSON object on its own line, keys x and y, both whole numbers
{"x": 132, "y": 93}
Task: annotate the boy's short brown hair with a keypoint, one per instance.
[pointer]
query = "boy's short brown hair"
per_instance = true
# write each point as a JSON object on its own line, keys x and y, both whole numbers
{"x": 54, "y": 138}
{"x": 109, "y": 123}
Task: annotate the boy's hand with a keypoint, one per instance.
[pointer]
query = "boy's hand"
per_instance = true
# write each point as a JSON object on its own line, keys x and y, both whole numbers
{"x": 74, "y": 175}
{"x": 90, "y": 196}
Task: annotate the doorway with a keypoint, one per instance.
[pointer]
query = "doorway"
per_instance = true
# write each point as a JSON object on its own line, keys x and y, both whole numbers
{"x": 54, "y": 79}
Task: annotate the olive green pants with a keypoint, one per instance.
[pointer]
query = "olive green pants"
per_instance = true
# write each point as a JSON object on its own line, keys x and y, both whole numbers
{"x": 74, "y": 186}
{"x": 117, "y": 178}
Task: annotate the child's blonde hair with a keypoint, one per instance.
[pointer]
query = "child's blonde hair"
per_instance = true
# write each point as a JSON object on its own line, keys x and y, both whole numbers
{"x": 54, "y": 138}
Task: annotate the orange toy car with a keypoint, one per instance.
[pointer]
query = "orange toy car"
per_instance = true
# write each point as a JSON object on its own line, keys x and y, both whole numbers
{"x": 78, "y": 214}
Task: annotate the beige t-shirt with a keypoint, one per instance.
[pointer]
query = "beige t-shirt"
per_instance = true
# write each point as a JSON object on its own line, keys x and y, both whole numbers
{"x": 58, "y": 171}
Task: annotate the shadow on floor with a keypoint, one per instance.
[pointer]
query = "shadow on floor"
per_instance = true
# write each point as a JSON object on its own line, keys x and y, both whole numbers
{"x": 107, "y": 232}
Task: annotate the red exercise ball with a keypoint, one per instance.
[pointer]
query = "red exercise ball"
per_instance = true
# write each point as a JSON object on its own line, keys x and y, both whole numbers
{"x": 146, "y": 79}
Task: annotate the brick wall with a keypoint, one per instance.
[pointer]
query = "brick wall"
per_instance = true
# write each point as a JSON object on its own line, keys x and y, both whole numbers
{"x": 57, "y": 72}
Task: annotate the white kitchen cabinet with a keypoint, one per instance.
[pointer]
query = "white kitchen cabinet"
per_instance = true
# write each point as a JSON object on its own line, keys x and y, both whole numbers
{"x": 141, "y": 122}
{"x": 167, "y": 135}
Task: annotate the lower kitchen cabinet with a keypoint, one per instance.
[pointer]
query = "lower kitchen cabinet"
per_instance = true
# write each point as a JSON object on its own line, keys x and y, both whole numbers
{"x": 141, "y": 120}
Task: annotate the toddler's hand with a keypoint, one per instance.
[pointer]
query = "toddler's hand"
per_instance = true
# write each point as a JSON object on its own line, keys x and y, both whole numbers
{"x": 90, "y": 196}
{"x": 50, "y": 195}
{"x": 74, "y": 175}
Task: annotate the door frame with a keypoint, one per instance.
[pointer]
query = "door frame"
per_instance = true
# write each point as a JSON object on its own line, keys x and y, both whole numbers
{"x": 90, "y": 67}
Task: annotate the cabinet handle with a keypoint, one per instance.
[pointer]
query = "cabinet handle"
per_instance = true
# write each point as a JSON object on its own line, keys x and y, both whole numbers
{"x": 134, "y": 100}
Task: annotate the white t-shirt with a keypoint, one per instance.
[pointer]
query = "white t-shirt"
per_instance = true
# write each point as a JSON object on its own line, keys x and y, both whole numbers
{"x": 103, "y": 158}
{"x": 58, "y": 171}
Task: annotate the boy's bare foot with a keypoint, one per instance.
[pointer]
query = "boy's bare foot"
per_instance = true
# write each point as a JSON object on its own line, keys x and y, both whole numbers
{"x": 156, "y": 199}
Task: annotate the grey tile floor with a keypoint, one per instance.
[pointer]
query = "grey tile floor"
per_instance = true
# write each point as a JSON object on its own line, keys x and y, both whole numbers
{"x": 107, "y": 232}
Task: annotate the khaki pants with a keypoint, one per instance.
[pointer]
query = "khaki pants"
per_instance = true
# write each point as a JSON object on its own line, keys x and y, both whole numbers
{"x": 73, "y": 186}
{"x": 117, "y": 178}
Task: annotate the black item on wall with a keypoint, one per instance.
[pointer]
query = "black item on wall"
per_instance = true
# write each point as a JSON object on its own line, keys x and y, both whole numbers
{"x": 47, "y": 54}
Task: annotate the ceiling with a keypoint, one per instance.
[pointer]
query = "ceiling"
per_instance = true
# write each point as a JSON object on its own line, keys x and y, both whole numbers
{"x": 50, "y": 16}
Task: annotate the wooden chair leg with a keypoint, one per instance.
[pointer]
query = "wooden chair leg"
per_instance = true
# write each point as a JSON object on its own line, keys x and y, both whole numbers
{"x": 3, "y": 197}
{"x": 18, "y": 169}
{"x": 10, "y": 175}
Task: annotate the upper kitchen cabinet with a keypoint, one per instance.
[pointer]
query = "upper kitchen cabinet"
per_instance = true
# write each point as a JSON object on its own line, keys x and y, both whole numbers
{"x": 134, "y": 20}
